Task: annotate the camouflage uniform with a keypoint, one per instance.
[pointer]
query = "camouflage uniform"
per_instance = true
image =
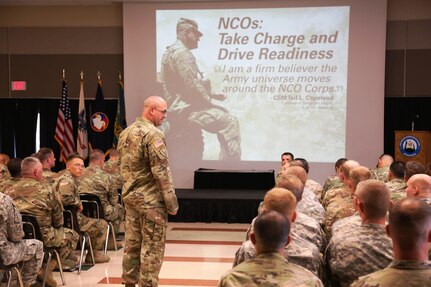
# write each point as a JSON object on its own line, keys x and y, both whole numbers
{"x": 49, "y": 176}
{"x": 4, "y": 172}
{"x": 315, "y": 187}
{"x": 8, "y": 183}
{"x": 33, "y": 197}
{"x": 95, "y": 228}
{"x": 113, "y": 168}
{"x": 98, "y": 182}
{"x": 189, "y": 97}
{"x": 341, "y": 191}
{"x": 339, "y": 208}
{"x": 298, "y": 251}
{"x": 13, "y": 248}
{"x": 357, "y": 253}
{"x": 346, "y": 224}
{"x": 397, "y": 187}
{"x": 148, "y": 196}
{"x": 310, "y": 206}
{"x": 381, "y": 173}
{"x": 269, "y": 269}
{"x": 399, "y": 273}
{"x": 331, "y": 182}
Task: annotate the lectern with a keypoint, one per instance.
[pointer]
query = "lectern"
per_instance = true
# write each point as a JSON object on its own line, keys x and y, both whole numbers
{"x": 413, "y": 145}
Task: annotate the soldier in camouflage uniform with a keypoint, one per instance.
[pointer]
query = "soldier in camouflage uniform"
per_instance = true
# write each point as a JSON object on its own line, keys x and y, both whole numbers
{"x": 300, "y": 250}
{"x": 67, "y": 187}
{"x": 47, "y": 158}
{"x": 14, "y": 167}
{"x": 419, "y": 186}
{"x": 4, "y": 172}
{"x": 189, "y": 96}
{"x": 98, "y": 182}
{"x": 381, "y": 172}
{"x": 148, "y": 194}
{"x": 112, "y": 167}
{"x": 13, "y": 248}
{"x": 270, "y": 267}
{"x": 396, "y": 184}
{"x": 365, "y": 249}
{"x": 333, "y": 180}
{"x": 410, "y": 230}
{"x": 32, "y": 196}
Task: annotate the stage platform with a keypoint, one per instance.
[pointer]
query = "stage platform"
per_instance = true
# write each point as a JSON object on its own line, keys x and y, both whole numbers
{"x": 217, "y": 205}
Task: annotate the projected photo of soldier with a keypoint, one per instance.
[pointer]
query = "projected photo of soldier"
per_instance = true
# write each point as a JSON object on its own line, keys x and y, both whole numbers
{"x": 190, "y": 98}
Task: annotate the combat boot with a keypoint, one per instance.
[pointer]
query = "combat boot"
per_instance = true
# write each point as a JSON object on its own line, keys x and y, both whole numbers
{"x": 99, "y": 257}
{"x": 50, "y": 281}
{"x": 129, "y": 285}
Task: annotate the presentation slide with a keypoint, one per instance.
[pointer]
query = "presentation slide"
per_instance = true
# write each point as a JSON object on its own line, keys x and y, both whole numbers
{"x": 246, "y": 81}
{"x": 279, "y": 73}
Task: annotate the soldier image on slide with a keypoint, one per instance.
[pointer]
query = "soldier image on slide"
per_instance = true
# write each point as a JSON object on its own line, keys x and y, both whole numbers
{"x": 189, "y": 96}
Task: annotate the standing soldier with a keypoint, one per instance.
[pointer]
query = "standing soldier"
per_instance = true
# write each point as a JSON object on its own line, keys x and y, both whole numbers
{"x": 148, "y": 194}
{"x": 189, "y": 96}
{"x": 67, "y": 187}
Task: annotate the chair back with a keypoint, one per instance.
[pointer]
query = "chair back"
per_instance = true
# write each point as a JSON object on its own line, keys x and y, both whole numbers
{"x": 31, "y": 227}
{"x": 92, "y": 205}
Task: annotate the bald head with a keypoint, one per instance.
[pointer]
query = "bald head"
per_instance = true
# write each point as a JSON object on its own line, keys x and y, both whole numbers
{"x": 357, "y": 175}
{"x": 292, "y": 183}
{"x": 297, "y": 171}
{"x": 410, "y": 227}
{"x": 419, "y": 185}
{"x": 113, "y": 154}
{"x": 280, "y": 200}
{"x": 385, "y": 160}
{"x": 155, "y": 109}
{"x": 345, "y": 169}
{"x": 374, "y": 199}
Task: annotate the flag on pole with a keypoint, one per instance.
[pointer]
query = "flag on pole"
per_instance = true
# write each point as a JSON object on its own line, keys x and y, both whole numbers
{"x": 82, "y": 138}
{"x": 120, "y": 120}
{"x": 64, "y": 127}
{"x": 100, "y": 135}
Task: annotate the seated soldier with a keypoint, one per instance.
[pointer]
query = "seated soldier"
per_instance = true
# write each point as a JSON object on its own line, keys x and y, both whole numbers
{"x": 14, "y": 167}
{"x": 66, "y": 186}
{"x": 396, "y": 184}
{"x": 98, "y": 182}
{"x": 270, "y": 267}
{"x": 112, "y": 167}
{"x": 4, "y": 172}
{"x": 47, "y": 158}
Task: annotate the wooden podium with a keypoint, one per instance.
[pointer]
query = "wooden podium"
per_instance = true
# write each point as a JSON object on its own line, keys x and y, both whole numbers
{"x": 413, "y": 145}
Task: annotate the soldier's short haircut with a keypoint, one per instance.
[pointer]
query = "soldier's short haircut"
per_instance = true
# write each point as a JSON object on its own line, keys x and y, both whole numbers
{"x": 301, "y": 162}
{"x": 96, "y": 154}
{"x": 271, "y": 230}
{"x": 14, "y": 167}
{"x": 73, "y": 156}
{"x": 297, "y": 171}
{"x": 347, "y": 166}
{"x": 340, "y": 161}
{"x": 410, "y": 222}
{"x": 359, "y": 174}
{"x": 288, "y": 154}
{"x": 113, "y": 152}
{"x": 412, "y": 168}
{"x": 293, "y": 183}
{"x": 398, "y": 169}
{"x": 44, "y": 153}
{"x": 280, "y": 200}
{"x": 28, "y": 164}
{"x": 375, "y": 197}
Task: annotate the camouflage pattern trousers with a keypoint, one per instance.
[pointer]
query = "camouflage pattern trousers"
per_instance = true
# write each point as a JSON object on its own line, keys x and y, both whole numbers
{"x": 144, "y": 250}
{"x": 95, "y": 228}
{"x": 218, "y": 121}
{"x": 64, "y": 239}
{"x": 27, "y": 251}
{"x": 114, "y": 214}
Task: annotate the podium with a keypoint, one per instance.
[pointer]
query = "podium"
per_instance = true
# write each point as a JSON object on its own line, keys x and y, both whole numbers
{"x": 413, "y": 145}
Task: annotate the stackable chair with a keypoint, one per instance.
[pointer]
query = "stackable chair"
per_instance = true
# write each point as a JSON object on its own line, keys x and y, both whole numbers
{"x": 71, "y": 222}
{"x": 32, "y": 231}
{"x": 93, "y": 208}
{"x": 9, "y": 269}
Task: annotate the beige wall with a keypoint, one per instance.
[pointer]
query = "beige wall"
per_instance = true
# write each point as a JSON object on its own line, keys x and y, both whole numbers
{"x": 37, "y": 42}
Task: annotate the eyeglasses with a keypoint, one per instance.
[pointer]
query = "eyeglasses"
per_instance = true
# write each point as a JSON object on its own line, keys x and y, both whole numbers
{"x": 162, "y": 111}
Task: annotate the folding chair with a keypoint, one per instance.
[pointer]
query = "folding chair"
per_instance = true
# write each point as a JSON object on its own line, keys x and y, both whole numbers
{"x": 32, "y": 231}
{"x": 71, "y": 222}
{"x": 93, "y": 208}
{"x": 8, "y": 270}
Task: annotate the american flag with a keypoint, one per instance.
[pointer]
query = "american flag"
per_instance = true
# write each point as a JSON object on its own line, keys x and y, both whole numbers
{"x": 64, "y": 128}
